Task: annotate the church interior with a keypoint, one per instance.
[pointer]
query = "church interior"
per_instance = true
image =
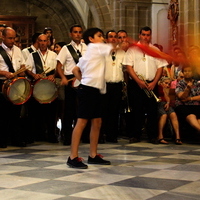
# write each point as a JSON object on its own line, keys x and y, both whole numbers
{"x": 138, "y": 171}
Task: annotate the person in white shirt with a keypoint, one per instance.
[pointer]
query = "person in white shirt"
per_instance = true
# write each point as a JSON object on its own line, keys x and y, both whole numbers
{"x": 33, "y": 47}
{"x": 91, "y": 72}
{"x": 66, "y": 61}
{"x": 139, "y": 63}
{"x": 123, "y": 39}
{"x": 43, "y": 115}
{"x": 114, "y": 81}
{"x": 10, "y": 113}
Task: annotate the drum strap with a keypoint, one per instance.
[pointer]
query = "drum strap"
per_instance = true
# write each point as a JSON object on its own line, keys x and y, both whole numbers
{"x": 30, "y": 50}
{"x": 7, "y": 59}
{"x": 38, "y": 63}
{"x": 73, "y": 53}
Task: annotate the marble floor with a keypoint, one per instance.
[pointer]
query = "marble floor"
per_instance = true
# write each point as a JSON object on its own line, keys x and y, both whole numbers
{"x": 139, "y": 171}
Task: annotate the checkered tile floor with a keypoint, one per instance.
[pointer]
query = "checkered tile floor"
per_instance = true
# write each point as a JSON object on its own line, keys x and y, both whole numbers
{"x": 138, "y": 172}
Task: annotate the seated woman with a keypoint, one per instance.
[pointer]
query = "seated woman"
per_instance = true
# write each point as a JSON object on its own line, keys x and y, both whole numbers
{"x": 165, "y": 111}
{"x": 188, "y": 99}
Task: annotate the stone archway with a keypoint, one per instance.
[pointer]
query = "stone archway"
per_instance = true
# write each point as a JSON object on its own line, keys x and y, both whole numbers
{"x": 59, "y": 15}
{"x": 101, "y": 12}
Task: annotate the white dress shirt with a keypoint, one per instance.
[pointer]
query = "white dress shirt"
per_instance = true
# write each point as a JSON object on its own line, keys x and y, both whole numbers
{"x": 113, "y": 70}
{"x": 15, "y": 56}
{"x": 92, "y": 65}
{"x": 66, "y": 58}
{"x": 48, "y": 61}
{"x": 26, "y": 52}
{"x": 142, "y": 63}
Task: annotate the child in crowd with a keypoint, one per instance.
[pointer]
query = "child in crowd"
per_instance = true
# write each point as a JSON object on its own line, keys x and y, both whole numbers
{"x": 165, "y": 111}
{"x": 90, "y": 72}
{"x": 175, "y": 82}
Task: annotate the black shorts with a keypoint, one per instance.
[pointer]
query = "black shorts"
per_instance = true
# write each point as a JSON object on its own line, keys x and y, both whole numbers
{"x": 89, "y": 102}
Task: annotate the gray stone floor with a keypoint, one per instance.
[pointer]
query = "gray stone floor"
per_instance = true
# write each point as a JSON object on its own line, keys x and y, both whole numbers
{"x": 138, "y": 172}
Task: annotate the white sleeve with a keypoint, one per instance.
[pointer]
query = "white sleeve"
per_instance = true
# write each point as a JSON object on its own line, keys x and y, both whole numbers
{"x": 30, "y": 63}
{"x": 129, "y": 57}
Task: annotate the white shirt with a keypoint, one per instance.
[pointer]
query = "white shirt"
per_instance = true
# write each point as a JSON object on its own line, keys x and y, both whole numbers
{"x": 15, "y": 56}
{"x": 66, "y": 58}
{"x": 25, "y": 52}
{"x": 92, "y": 65}
{"x": 113, "y": 70}
{"x": 142, "y": 63}
{"x": 48, "y": 61}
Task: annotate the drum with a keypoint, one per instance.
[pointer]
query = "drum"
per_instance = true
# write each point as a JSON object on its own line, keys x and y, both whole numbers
{"x": 17, "y": 90}
{"x": 45, "y": 91}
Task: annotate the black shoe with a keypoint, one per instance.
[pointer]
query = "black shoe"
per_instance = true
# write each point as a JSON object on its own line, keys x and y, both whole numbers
{"x": 134, "y": 140}
{"x": 76, "y": 163}
{"x": 98, "y": 160}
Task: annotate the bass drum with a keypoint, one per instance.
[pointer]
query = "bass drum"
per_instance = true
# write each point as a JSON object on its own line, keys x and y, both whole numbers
{"x": 17, "y": 90}
{"x": 45, "y": 91}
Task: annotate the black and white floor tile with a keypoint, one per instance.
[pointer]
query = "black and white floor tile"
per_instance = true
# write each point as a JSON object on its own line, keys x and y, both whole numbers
{"x": 140, "y": 171}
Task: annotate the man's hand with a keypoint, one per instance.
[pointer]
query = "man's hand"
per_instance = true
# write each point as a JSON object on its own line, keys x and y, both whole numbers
{"x": 51, "y": 78}
{"x": 8, "y": 75}
{"x": 151, "y": 86}
{"x": 64, "y": 81}
{"x": 37, "y": 76}
{"x": 142, "y": 84}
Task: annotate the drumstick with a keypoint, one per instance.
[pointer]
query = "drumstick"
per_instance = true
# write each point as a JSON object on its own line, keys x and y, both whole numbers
{"x": 58, "y": 81}
{"x": 44, "y": 71}
{"x": 19, "y": 71}
{"x": 71, "y": 79}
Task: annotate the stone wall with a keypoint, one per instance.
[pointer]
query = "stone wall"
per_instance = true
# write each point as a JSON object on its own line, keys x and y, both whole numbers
{"x": 59, "y": 15}
{"x": 130, "y": 15}
{"x": 189, "y": 23}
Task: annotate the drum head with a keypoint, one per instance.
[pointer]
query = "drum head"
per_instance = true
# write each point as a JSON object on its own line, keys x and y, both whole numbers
{"x": 19, "y": 91}
{"x": 45, "y": 91}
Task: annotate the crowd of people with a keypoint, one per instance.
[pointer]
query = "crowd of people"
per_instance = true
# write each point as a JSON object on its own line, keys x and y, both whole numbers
{"x": 86, "y": 83}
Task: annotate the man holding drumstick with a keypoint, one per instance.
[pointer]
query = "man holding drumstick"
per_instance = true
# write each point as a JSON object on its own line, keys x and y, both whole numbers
{"x": 66, "y": 61}
{"x": 43, "y": 63}
{"x": 11, "y": 60}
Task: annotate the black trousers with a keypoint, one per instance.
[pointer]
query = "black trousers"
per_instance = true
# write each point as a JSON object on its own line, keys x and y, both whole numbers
{"x": 43, "y": 119}
{"x": 11, "y": 123}
{"x": 143, "y": 108}
{"x": 111, "y": 107}
{"x": 70, "y": 111}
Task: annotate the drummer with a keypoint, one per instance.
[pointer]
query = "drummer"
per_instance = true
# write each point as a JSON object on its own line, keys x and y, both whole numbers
{"x": 11, "y": 60}
{"x": 43, "y": 116}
